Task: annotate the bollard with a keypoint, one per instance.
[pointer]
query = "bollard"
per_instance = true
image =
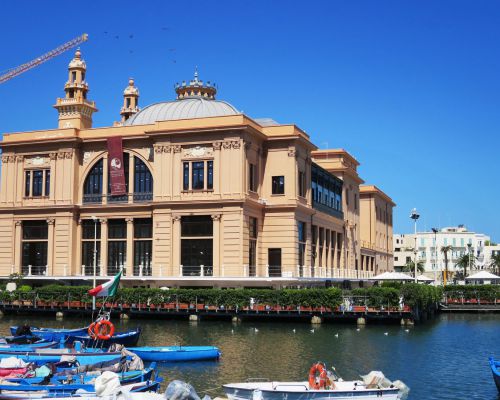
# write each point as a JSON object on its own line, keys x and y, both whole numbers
{"x": 361, "y": 321}
{"x": 193, "y": 317}
{"x": 315, "y": 320}
{"x": 59, "y": 315}
{"x": 236, "y": 320}
{"x": 124, "y": 316}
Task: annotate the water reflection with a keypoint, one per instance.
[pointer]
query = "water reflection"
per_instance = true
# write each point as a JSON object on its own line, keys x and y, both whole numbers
{"x": 443, "y": 359}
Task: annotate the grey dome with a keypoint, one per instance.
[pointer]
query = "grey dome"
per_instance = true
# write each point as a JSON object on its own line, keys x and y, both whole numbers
{"x": 182, "y": 109}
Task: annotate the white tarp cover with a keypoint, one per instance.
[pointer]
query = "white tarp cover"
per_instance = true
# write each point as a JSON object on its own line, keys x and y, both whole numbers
{"x": 12, "y": 362}
{"x": 482, "y": 275}
{"x": 392, "y": 276}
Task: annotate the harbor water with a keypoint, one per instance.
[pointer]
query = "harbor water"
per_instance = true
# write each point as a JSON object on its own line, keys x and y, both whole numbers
{"x": 445, "y": 359}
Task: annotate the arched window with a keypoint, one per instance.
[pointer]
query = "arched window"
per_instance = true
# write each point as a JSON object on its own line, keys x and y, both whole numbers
{"x": 142, "y": 189}
{"x": 143, "y": 181}
{"x": 92, "y": 187}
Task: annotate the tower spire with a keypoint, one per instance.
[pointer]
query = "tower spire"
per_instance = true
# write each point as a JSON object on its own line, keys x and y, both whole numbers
{"x": 75, "y": 111}
{"x": 196, "y": 88}
{"x": 130, "y": 101}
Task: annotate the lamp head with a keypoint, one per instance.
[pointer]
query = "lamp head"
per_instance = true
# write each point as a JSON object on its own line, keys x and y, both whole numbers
{"x": 435, "y": 230}
{"x": 414, "y": 215}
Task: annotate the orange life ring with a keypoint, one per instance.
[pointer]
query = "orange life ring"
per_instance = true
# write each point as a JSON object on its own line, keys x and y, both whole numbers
{"x": 90, "y": 331}
{"x": 104, "y": 330}
{"x": 318, "y": 376}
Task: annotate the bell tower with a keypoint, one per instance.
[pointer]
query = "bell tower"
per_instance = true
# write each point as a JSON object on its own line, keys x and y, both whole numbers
{"x": 75, "y": 111}
{"x": 130, "y": 101}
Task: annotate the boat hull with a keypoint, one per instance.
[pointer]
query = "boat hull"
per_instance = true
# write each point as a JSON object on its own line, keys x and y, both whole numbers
{"x": 300, "y": 391}
{"x": 46, "y": 357}
{"x": 177, "y": 353}
{"x": 126, "y": 339}
{"x": 495, "y": 370}
{"x": 55, "y": 335}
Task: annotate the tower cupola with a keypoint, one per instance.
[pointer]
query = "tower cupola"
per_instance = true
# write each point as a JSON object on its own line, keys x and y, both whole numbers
{"x": 130, "y": 101}
{"x": 75, "y": 111}
{"x": 195, "y": 88}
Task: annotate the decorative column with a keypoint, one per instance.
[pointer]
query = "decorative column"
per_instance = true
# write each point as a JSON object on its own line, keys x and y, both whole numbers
{"x": 104, "y": 247}
{"x": 129, "y": 261}
{"x": 175, "y": 269}
{"x": 17, "y": 246}
{"x": 53, "y": 176}
{"x": 19, "y": 171}
{"x": 217, "y": 167}
{"x": 50, "y": 247}
{"x": 216, "y": 245}
{"x": 131, "y": 169}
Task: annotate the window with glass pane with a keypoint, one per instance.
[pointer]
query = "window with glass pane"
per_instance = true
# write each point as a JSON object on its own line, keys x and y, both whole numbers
{"x": 197, "y": 173}
{"x": 117, "y": 254}
{"x": 278, "y": 185}
{"x": 196, "y": 245}
{"x": 143, "y": 228}
{"x": 302, "y": 184}
{"x": 143, "y": 253}
{"x": 37, "y": 183}
{"x": 47, "y": 182}
{"x": 117, "y": 229}
{"x": 91, "y": 229}
{"x": 185, "y": 183}
{"x": 88, "y": 257}
{"x": 27, "y": 183}
{"x": 34, "y": 247}
{"x": 200, "y": 225}
{"x": 210, "y": 174}
{"x": 92, "y": 187}
{"x": 252, "y": 177}
{"x": 143, "y": 181}
{"x": 35, "y": 230}
{"x": 301, "y": 228}
{"x": 252, "y": 246}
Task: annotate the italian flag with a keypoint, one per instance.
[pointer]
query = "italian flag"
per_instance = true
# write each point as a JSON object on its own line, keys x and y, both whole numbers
{"x": 107, "y": 289}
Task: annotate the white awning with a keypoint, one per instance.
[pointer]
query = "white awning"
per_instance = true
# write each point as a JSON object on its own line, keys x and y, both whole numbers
{"x": 423, "y": 278}
{"x": 482, "y": 275}
{"x": 392, "y": 276}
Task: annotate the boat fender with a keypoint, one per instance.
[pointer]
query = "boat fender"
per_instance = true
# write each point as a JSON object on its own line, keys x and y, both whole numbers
{"x": 104, "y": 330}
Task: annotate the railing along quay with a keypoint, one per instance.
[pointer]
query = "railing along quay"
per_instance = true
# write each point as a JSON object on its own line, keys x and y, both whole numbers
{"x": 176, "y": 310}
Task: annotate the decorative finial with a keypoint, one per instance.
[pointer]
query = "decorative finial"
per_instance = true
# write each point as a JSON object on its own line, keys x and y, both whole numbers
{"x": 196, "y": 73}
{"x": 131, "y": 81}
{"x": 78, "y": 53}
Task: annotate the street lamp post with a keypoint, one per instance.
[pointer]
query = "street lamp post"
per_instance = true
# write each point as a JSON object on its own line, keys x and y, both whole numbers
{"x": 415, "y": 216}
{"x": 435, "y": 230}
{"x": 95, "y": 259}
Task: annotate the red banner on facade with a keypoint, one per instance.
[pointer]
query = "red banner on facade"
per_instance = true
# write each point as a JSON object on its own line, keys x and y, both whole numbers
{"x": 115, "y": 166}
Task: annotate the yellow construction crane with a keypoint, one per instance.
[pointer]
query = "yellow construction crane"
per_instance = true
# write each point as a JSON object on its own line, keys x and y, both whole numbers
{"x": 11, "y": 73}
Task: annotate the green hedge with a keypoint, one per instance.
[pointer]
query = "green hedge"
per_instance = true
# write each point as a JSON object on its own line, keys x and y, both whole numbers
{"x": 413, "y": 295}
{"x": 486, "y": 292}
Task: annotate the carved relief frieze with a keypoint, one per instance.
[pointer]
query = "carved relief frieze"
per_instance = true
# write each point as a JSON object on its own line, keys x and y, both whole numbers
{"x": 236, "y": 144}
{"x": 53, "y": 155}
{"x": 5, "y": 159}
{"x": 176, "y": 148}
{"x": 51, "y": 221}
{"x": 216, "y": 145}
{"x": 197, "y": 152}
{"x": 226, "y": 145}
{"x": 36, "y": 161}
{"x": 292, "y": 152}
{"x": 12, "y": 158}
{"x": 87, "y": 156}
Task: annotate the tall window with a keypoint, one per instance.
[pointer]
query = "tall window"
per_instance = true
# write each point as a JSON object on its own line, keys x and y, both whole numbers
{"x": 142, "y": 185}
{"x": 143, "y": 181}
{"x": 117, "y": 245}
{"x": 278, "y": 185}
{"x": 91, "y": 236}
{"x": 252, "y": 246}
{"x": 326, "y": 191}
{"x": 198, "y": 175}
{"x": 302, "y": 184}
{"x": 143, "y": 246}
{"x": 252, "y": 177}
{"x": 92, "y": 187}
{"x": 197, "y": 245}
{"x": 301, "y": 228}
{"x": 37, "y": 183}
{"x": 314, "y": 254}
{"x": 34, "y": 247}
{"x": 321, "y": 243}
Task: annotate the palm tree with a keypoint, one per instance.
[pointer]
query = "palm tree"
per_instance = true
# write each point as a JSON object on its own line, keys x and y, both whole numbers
{"x": 495, "y": 263}
{"x": 410, "y": 267}
{"x": 445, "y": 250}
{"x": 464, "y": 261}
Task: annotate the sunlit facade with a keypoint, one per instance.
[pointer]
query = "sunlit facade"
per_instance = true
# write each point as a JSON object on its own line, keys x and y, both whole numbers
{"x": 209, "y": 197}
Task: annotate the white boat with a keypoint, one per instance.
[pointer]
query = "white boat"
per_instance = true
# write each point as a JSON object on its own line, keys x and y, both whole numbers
{"x": 323, "y": 386}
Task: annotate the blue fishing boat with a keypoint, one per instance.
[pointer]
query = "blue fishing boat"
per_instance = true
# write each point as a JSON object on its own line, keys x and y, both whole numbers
{"x": 63, "y": 392}
{"x": 495, "y": 370}
{"x": 126, "y": 377}
{"x": 52, "y": 334}
{"x": 43, "y": 356}
{"x": 42, "y": 344}
{"x": 129, "y": 338}
{"x": 177, "y": 353}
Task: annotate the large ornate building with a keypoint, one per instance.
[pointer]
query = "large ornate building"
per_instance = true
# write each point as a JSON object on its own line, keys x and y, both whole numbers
{"x": 189, "y": 192}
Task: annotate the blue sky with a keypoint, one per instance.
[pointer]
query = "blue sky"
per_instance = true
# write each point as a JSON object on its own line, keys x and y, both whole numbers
{"x": 410, "y": 88}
